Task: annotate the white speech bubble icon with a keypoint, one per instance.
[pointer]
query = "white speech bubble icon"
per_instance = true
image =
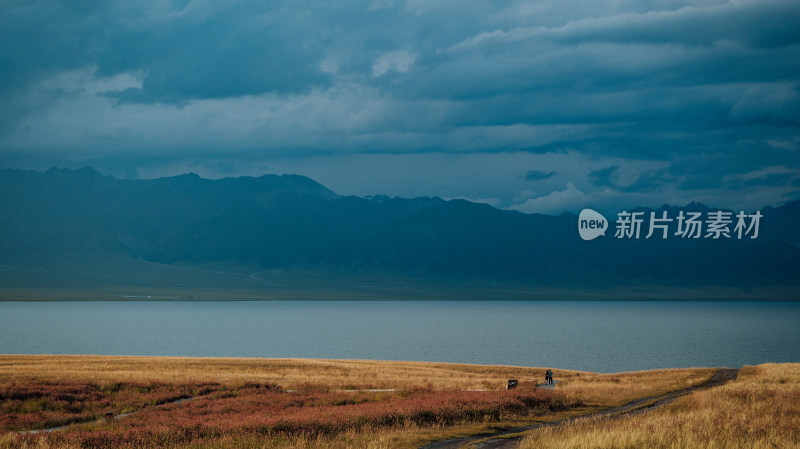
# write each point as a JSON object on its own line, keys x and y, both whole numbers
{"x": 591, "y": 224}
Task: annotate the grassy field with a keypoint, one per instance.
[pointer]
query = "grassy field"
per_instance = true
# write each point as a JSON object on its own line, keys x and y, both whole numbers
{"x": 760, "y": 410}
{"x": 602, "y": 389}
{"x": 286, "y": 403}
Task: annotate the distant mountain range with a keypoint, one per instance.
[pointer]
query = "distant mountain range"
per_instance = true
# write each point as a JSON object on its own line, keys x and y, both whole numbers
{"x": 78, "y": 227}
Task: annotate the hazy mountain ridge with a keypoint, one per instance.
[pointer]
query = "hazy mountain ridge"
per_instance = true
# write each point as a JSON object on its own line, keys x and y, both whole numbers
{"x": 291, "y": 222}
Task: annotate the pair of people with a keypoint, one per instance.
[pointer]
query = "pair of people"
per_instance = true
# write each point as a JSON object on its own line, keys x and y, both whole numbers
{"x": 548, "y": 377}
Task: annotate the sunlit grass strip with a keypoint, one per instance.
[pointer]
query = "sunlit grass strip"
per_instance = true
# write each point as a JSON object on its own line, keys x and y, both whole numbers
{"x": 285, "y": 372}
{"x": 291, "y": 373}
{"x": 760, "y": 410}
{"x": 620, "y": 388}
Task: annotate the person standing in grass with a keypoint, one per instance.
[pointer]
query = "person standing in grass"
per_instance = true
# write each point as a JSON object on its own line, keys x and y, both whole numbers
{"x": 549, "y": 377}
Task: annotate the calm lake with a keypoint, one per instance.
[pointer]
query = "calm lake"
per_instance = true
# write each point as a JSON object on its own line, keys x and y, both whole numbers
{"x": 607, "y": 336}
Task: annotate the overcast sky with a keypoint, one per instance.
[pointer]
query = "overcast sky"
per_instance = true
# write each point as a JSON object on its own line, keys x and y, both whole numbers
{"x": 539, "y": 106}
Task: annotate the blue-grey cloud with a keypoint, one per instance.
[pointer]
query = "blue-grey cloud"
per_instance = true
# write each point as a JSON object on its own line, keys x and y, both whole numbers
{"x": 537, "y": 175}
{"x": 602, "y": 177}
{"x": 772, "y": 180}
{"x": 627, "y": 101}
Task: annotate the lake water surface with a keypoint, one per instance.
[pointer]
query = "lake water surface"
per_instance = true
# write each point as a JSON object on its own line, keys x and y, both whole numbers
{"x": 601, "y": 336}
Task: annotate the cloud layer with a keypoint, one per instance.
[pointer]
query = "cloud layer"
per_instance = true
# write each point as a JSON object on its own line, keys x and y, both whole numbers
{"x": 541, "y": 107}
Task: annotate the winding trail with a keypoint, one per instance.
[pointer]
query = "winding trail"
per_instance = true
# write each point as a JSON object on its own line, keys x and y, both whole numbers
{"x": 507, "y": 439}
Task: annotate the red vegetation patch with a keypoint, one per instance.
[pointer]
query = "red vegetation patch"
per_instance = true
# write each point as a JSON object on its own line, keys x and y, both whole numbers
{"x": 39, "y": 405}
{"x": 257, "y": 411}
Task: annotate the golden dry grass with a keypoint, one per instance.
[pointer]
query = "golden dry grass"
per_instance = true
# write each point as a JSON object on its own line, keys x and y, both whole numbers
{"x": 621, "y": 388}
{"x": 285, "y": 372}
{"x": 760, "y": 410}
{"x": 592, "y": 388}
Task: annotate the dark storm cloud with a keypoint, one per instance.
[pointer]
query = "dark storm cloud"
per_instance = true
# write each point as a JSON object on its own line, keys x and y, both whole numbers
{"x": 602, "y": 177}
{"x": 685, "y": 98}
{"x": 771, "y": 180}
{"x": 184, "y": 54}
{"x": 753, "y": 24}
{"x": 639, "y": 181}
{"x": 731, "y": 43}
{"x": 536, "y": 175}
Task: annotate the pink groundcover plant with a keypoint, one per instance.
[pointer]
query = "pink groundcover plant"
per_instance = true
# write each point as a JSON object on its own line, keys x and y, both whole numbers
{"x": 259, "y": 410}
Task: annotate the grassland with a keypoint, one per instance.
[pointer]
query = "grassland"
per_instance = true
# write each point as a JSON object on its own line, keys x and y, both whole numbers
{"x": 288, "y": 373}
{"x": 255, "y": 403}
{"x": 286, "y": 403}
{"x": 760, "y": 410}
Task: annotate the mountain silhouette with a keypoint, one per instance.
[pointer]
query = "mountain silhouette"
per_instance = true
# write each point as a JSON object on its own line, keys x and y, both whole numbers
{"x": 79, "y": 224}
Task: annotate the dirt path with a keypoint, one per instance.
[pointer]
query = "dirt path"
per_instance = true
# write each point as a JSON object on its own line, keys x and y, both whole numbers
{"x": 508, "y": 439}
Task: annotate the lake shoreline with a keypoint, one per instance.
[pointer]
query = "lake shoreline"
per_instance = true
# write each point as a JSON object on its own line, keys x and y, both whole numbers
{"x": 598, "y": 336}
{"x": 369, "y": 293}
